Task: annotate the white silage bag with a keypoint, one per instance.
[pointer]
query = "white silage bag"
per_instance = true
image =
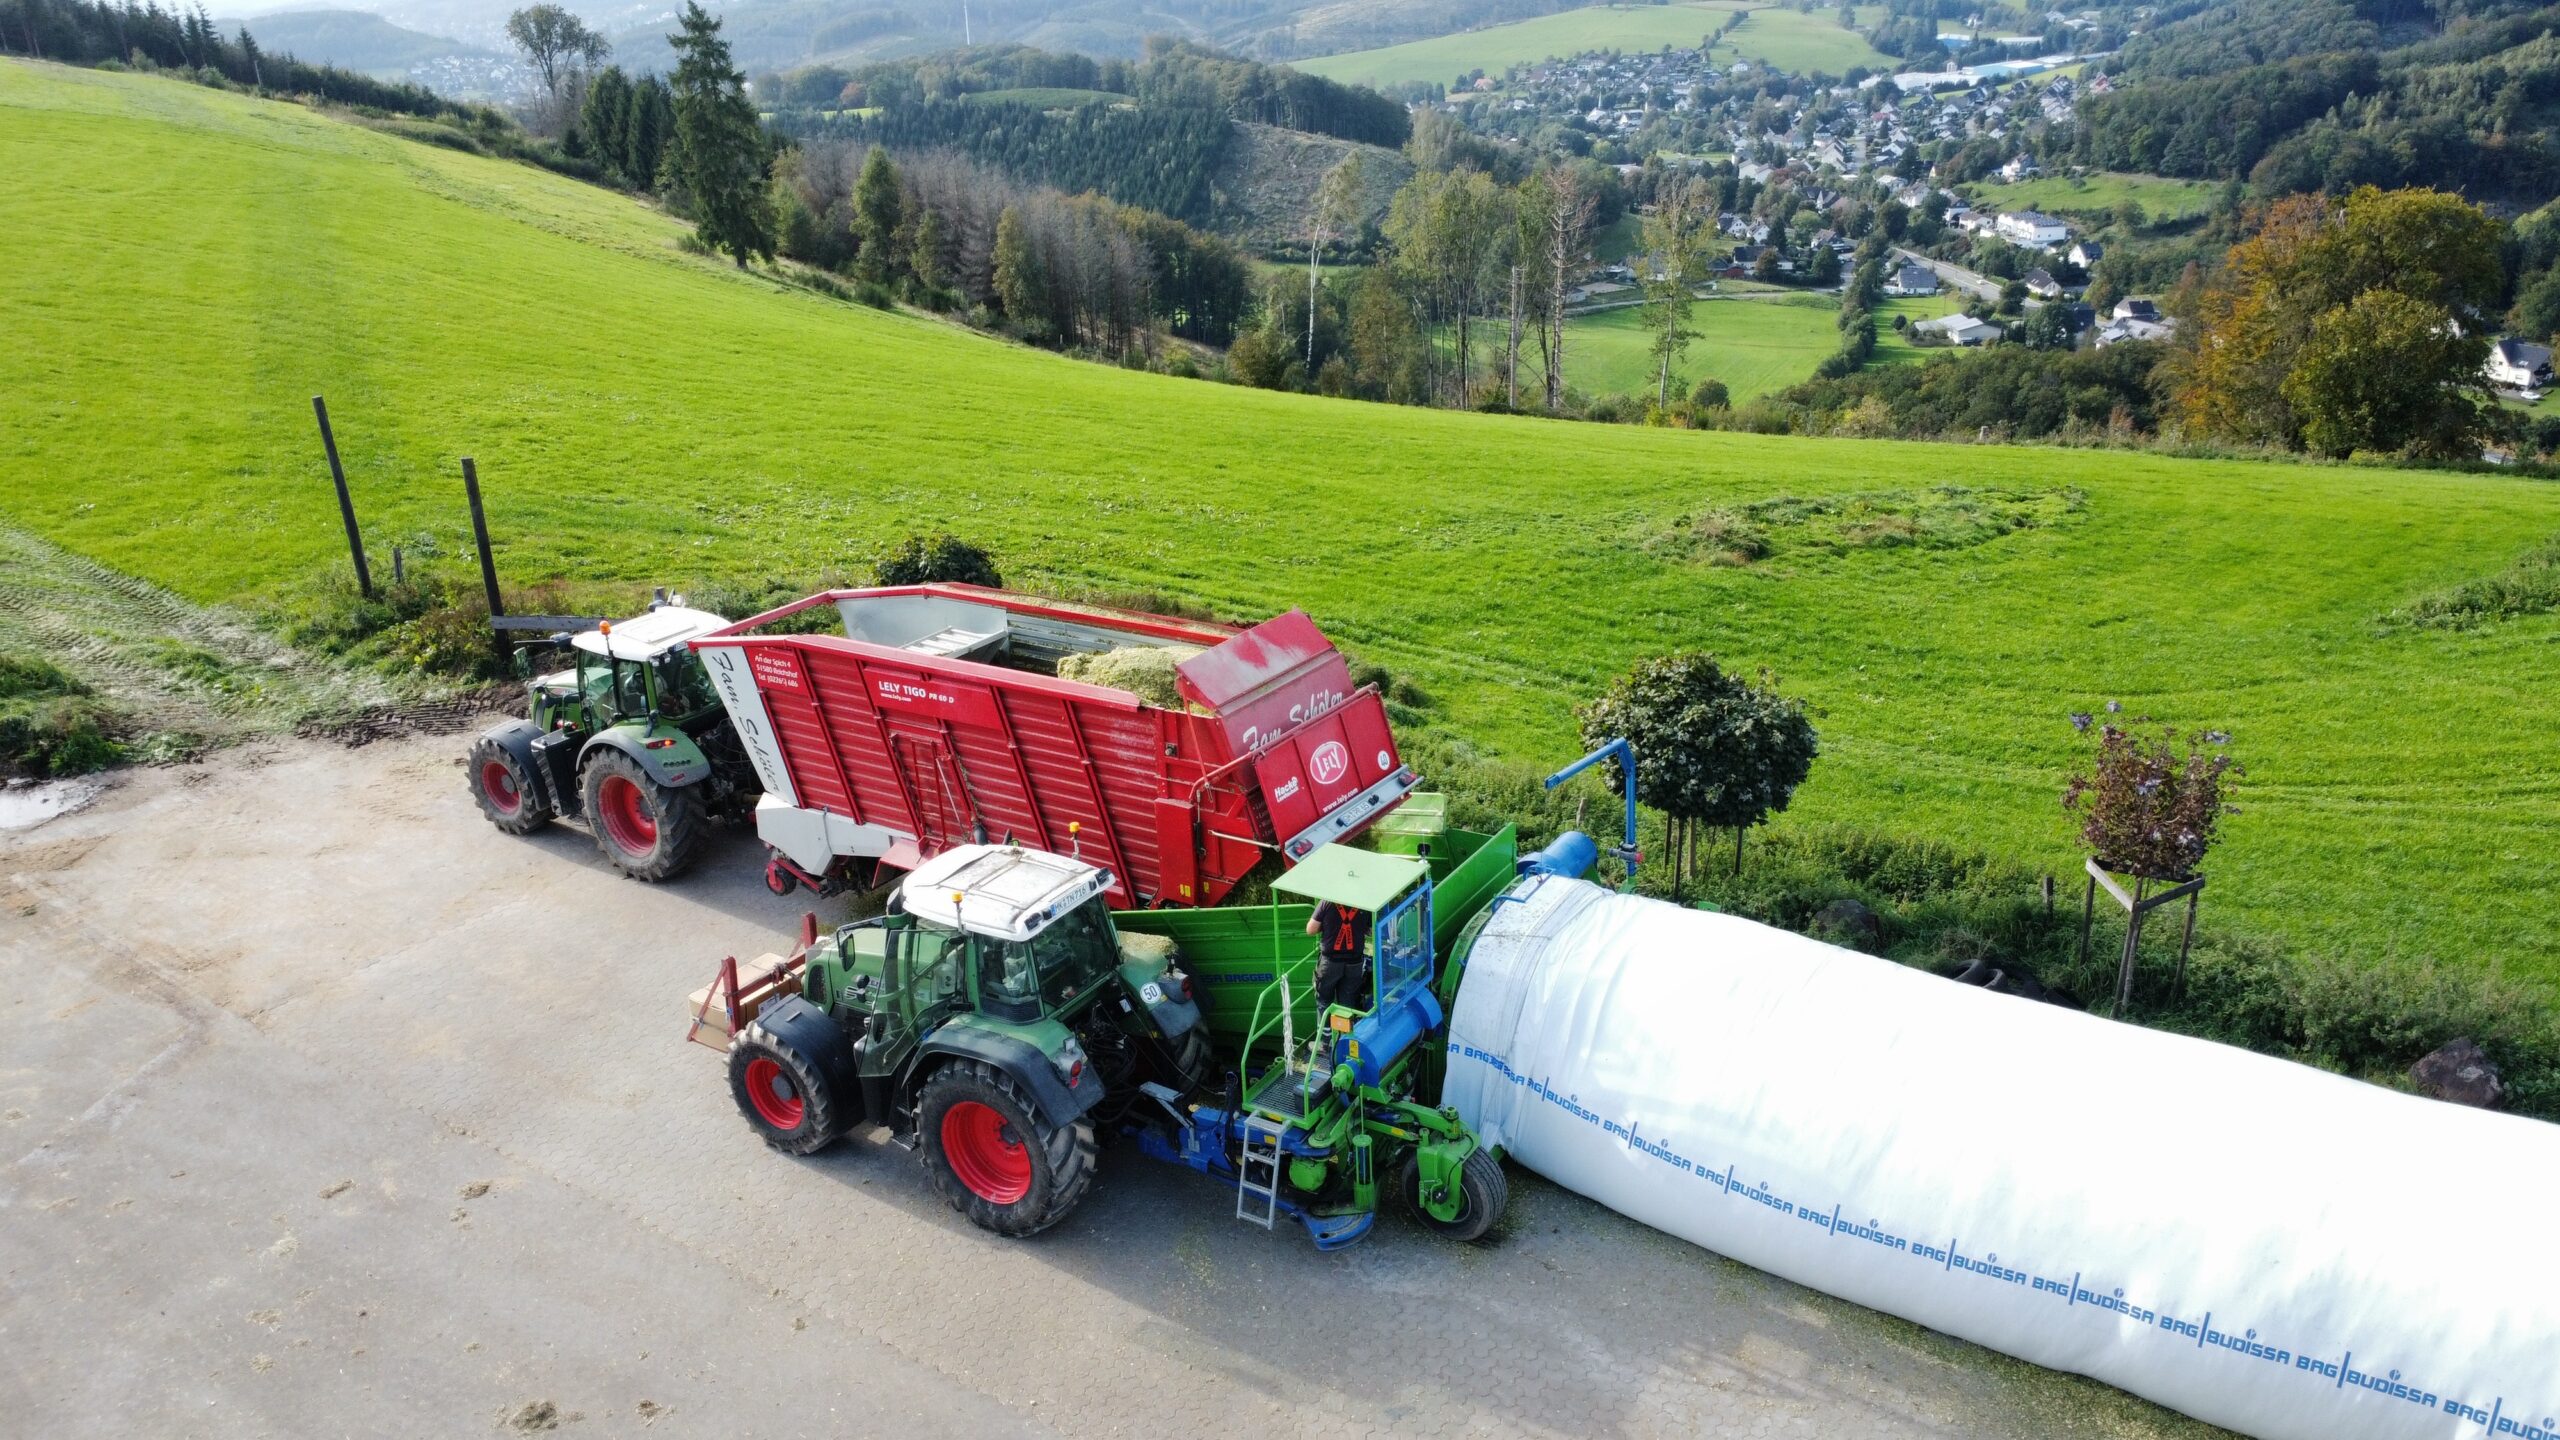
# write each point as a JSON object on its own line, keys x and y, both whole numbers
{"x": 2287, "y": 1253}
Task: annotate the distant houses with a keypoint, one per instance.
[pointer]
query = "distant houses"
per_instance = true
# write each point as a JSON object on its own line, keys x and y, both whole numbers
{"x": 2519, "y": 365}
{"x": 2086, "y": 254}
{"x": 2031, "y": 228}
{"x": 1912, "y": 280}
{"x": 1961, "y": 329}
{"x": 2041, "y": 284}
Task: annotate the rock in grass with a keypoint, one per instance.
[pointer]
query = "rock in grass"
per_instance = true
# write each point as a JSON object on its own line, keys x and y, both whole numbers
{"x": 2461, "y": 1073}
{"x": 1846, "y": 922}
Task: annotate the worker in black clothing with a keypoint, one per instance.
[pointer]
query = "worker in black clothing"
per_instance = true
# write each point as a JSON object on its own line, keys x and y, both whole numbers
{"x": 1342, "y": 974}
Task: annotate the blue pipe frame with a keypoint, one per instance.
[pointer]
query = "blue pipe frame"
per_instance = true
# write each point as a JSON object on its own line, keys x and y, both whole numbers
{"x": 1625, "y": 754}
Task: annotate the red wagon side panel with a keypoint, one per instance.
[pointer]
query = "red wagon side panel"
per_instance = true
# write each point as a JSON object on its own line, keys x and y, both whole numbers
{"x": 928, "y": 749}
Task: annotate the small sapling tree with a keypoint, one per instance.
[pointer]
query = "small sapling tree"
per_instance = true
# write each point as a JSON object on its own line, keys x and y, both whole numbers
{"x": 2149, "y": 806}
{"x": 1712, "y": 749}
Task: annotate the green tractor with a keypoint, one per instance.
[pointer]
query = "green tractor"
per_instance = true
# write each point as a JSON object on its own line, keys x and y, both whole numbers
{"x": 632, "y": 737}
{"x": 997, "y": 1019}
{"x": 990, "y": 1021}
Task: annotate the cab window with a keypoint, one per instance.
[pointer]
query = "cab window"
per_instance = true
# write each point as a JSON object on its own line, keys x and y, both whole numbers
{"x": 1053, "y": 968}
{"x": 630, "y": 688}
{"x": 684, "y": 687}
{"x": 932, "y": 966}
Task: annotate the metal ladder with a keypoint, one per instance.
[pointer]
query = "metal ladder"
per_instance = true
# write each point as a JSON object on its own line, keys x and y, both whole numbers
{"x": 1266, "y": 1157}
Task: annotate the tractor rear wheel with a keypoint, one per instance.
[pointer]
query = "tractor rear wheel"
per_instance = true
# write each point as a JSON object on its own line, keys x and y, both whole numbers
{"x": 1193, "y": 1062}
{"x": 992, "y": 1156}
{"x": 648, "y": 830}
{"x": 784, "y": 1095}
{"x": 1483, "y": 1193}
{"x": 504, "y": 791}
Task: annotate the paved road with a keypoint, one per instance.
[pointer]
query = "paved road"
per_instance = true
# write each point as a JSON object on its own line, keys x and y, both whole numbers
{"x": 1971, "y": 282}
{"x": 324, "y": 1109}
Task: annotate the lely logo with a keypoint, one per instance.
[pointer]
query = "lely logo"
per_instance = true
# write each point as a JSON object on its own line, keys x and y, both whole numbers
{"x": 1330, "y": 762}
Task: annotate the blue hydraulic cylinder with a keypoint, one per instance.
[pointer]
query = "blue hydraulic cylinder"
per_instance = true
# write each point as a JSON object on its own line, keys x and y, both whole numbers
{"x": 1380, "y": 1038}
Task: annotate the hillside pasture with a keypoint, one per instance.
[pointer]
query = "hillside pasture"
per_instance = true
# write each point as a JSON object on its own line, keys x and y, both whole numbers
{"x": 1802, "y": 44}
{"x": 1497, "y": 48}
{"x": 641, "y": 415}
{"x": 2161, "y": 198}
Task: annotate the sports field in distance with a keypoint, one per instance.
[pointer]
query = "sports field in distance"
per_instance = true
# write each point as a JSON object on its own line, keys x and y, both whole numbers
{"x": 1786, "y": 39}
{"x": 188, "y": 267}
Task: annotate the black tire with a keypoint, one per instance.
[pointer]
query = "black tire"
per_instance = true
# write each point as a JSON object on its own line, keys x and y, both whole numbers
{"x": 1193, "y": 1063}
{"x": 649, "y": 831}
{"x": 504, "y": 790}
{"x": 1016, "y": 1175}
{"x": 1480, "y": 1181}
{"x": 785, "y": 1096}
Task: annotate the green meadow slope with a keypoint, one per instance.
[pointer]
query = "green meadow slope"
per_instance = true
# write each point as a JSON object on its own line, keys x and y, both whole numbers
{"x": 186, "y": 268}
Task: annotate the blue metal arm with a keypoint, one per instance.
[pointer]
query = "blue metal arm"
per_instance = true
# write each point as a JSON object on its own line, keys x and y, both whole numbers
{"x": 1625, "y": 754}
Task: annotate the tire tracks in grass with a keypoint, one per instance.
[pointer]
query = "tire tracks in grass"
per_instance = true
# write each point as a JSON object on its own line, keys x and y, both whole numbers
{"x": 172, "y": 667}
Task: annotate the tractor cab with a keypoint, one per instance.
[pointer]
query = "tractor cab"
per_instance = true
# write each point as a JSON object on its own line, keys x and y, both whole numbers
{"x": 632, "y": 737}
{"x": 638, "y": 669}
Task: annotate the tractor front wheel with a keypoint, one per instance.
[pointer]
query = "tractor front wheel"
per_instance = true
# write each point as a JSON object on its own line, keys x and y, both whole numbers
{"x": 505, "y": 792}
{"x": 783, "y": 1093}
{"x": 1483, "y": 1193}
{"x": 648, "y": 830}
{"x": 992, "y": 1156}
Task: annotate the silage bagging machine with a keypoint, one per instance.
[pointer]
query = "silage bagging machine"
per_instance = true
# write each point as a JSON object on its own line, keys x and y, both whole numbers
{"x": 1001, "y": 1021}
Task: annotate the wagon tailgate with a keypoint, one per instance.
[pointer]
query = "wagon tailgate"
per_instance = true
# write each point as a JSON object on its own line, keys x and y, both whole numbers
{"x": 1328, "y": 763}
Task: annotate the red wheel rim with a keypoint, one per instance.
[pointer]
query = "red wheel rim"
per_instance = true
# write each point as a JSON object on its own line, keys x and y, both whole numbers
{"x": 995, "y": 1167}
{"x": 499, "y": 784}
{"x": 776, "y": 1099}
{"x": 627, "y": 819}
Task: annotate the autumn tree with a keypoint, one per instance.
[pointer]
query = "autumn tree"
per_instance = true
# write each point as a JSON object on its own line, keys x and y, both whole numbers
{"x": 2352, "y": 325}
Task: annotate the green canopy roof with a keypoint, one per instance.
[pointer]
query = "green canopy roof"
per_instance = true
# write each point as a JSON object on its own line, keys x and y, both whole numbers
{"x": 1361, "y": 879}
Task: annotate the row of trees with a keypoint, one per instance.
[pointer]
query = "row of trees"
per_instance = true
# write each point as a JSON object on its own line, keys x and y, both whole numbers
{"x": 1081, "y": 272}
{"x": 80, "y": 32}
{"x": 1461, "y": 257}
{"x": 626, "y": 124}
{"x": 1161, "y": 157}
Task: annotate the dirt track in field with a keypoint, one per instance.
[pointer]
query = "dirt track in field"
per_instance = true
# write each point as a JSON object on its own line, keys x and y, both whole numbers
{"x": 326, "y": 1109}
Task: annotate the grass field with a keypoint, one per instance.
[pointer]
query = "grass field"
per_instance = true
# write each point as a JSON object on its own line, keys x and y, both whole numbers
{"x": 187, "y": 268}
{"x": 1893, "y": 347}
{"x": 1753, "y": 346}
{"x": 2161, "y": 198}
{"x": 1786, "y": 39}
{"x": 1801, "y": 44}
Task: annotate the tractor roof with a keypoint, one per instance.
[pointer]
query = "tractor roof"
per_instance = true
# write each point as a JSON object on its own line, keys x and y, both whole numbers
{"x": 650, "y": 634}
{"x": 1003, "y": 891}
{"x": 1361, "y": 879}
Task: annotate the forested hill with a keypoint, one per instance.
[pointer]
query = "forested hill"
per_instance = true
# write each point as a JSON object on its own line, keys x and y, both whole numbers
{"x": 2299, "y": 95}
{"x": 1150, "y": 133}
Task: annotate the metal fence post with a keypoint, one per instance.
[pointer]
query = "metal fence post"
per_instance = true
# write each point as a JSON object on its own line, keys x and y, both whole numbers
{"x": 346, "y": 502}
